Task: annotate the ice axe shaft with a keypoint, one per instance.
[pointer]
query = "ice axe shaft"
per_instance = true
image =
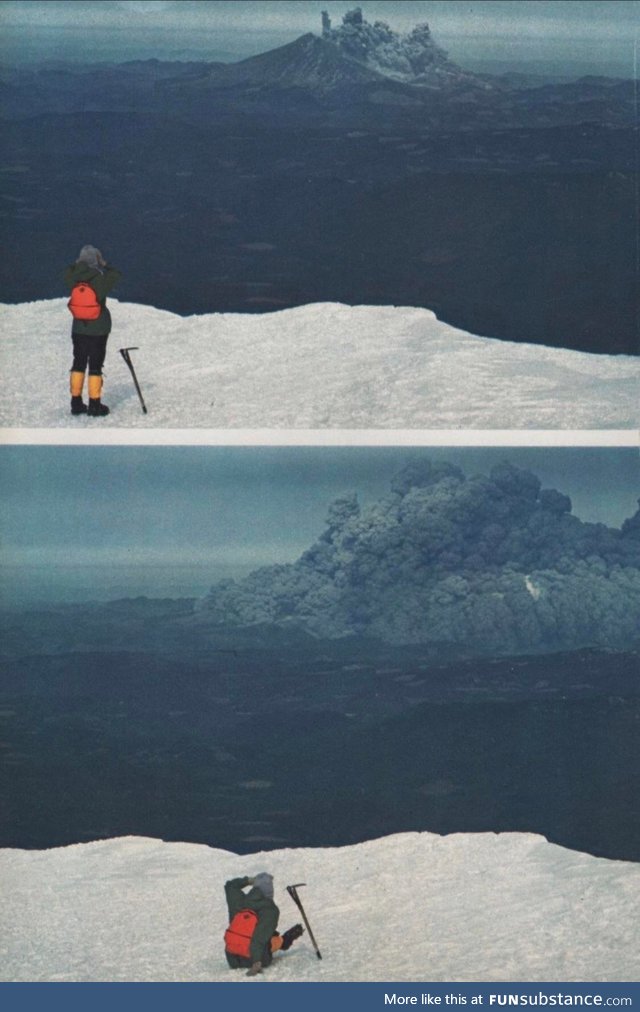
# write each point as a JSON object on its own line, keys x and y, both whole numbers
{"x": 127, "y": 357}
{"x": 293, "y": 893}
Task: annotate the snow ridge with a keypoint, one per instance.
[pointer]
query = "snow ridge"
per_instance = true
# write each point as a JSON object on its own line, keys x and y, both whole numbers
{"x": 491, "y": 907}
{"x": 318, "y": 366}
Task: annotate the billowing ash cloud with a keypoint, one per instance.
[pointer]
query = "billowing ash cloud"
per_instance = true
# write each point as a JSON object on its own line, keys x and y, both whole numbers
{"x": 414, "y": 57}
{"x": 491, "y": 563}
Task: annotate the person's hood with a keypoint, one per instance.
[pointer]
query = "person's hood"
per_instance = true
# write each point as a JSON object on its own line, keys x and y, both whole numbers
{"x": 264, "y": 882}
{"x": 91, "y": 256}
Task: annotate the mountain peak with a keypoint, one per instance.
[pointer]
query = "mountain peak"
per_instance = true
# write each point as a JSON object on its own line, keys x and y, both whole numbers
{"x": 307, "y": 62}
{"x": 356, "y": 52}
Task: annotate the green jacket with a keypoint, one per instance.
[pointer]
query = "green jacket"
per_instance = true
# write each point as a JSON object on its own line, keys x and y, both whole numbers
{"x": 102, "y": 282}
{"x": 267, "y": 911}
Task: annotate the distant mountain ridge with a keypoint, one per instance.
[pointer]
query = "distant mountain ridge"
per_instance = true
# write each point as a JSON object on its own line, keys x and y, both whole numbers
{"x": 355, "y": 53}
{"x": 358, "y": 52}
{"x": 417, "y": 76}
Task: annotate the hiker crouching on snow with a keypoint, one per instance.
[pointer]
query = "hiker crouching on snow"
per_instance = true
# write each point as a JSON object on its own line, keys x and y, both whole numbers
{"x": 251, "y": 938}
{"x": 90, "y": 279}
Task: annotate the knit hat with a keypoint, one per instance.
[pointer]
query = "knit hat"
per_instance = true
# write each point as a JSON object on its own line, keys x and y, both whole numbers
{"x": 264, "y": 882}
{"x": 90, "y": 255}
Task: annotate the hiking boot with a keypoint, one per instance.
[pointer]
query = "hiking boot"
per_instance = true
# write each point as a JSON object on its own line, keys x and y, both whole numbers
{"x": 290, "y": 936}
{"x": 96, "y": 408}
{"x": 78, "y": 407}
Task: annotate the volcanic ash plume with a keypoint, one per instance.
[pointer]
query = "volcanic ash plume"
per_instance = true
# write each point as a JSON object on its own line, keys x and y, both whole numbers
{"x": 488, "y": 563}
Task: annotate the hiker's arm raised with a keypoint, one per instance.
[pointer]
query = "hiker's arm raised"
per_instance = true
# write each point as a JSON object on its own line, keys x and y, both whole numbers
{"x": 236, "y": 899}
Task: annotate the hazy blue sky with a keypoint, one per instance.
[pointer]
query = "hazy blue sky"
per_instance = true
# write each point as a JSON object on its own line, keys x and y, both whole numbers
{"x": 591, "y": 36}
{"x": 198, "y": 505}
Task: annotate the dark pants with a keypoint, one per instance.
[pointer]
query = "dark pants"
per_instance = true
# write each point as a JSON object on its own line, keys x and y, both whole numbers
{"x": 89, "y": 350}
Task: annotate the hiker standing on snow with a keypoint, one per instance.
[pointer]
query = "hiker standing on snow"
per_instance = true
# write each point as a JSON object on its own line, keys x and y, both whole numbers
{"x": 251, "y": 938}
{"x": 90, "y": 279}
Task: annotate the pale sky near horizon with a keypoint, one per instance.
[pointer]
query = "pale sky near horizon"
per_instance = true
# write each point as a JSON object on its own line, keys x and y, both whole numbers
{"x": 553, "y": 31}
{"x": 75, "y": 502}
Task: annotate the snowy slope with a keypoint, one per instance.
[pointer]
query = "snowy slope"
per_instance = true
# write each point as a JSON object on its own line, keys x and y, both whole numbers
{"x": 313, "y": 367}
{"x": 411, "y": 907}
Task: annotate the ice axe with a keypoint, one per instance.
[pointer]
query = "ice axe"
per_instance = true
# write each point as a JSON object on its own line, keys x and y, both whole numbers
{"x": 293, "y": 893}
{"x": 127, "y": 357}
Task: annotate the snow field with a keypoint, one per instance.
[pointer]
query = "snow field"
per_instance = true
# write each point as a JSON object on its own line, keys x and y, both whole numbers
{"x": 313, "y": 367}
{"x": 413, "y": 907}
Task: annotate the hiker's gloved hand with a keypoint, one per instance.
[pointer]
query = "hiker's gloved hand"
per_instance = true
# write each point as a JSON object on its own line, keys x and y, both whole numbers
{"x": 290, "y": 936}
{"x": 255, "y": 969}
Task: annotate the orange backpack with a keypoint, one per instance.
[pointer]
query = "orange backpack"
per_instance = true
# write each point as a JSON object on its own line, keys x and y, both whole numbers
{"x": 83, "y": 303}
{"x": 237, "y": 937}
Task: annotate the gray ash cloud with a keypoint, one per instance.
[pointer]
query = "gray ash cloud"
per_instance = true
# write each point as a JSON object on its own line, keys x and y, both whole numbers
{"x": 491, "y": 563}
{"x": 413, "y": 57}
